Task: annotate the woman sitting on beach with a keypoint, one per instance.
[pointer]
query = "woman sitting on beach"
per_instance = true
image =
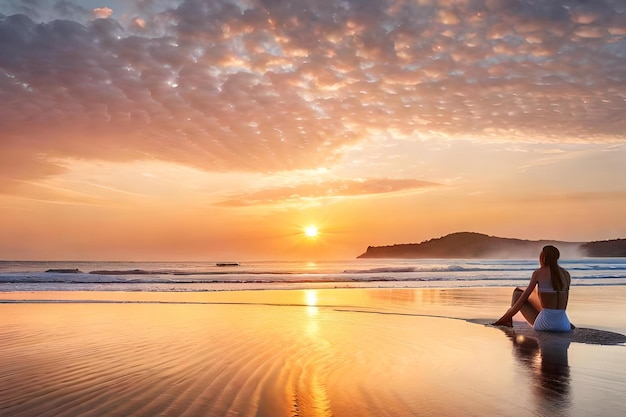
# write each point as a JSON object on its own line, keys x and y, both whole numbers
{"x": 546, "y": 312}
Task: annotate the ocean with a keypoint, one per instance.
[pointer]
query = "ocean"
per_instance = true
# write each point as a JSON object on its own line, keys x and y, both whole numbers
{"x": 260, "y": 275}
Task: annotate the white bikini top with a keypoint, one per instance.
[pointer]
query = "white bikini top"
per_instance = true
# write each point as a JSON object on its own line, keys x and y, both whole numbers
{"x": 544, "y": 284}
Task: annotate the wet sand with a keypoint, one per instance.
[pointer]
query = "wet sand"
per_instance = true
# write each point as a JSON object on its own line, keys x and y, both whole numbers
{"x": 327, "y": 352}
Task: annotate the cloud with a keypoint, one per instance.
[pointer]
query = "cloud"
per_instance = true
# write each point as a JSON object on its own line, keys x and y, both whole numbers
{"x": 327, "y": 189}
{"x": 102, "y": 12}
{"x": 265, "y": 86}
{"x": 139, "y": 22}
{"x": 582, "y": 197}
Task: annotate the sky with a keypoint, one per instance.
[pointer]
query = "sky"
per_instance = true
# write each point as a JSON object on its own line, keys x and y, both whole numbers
{"x": 221, "y": 129}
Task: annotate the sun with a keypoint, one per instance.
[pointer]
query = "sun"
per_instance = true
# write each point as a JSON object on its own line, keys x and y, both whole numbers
{"x": 311, "y": 231}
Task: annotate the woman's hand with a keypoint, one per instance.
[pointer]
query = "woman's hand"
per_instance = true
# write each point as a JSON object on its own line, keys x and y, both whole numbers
{"x": 504, "y": 322}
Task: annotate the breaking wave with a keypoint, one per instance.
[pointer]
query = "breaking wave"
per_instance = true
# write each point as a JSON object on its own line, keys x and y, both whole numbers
{"x": 153, "y": 276}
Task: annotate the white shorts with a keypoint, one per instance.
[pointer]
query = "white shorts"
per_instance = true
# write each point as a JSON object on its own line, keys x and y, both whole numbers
{"x": 551, "y": 320}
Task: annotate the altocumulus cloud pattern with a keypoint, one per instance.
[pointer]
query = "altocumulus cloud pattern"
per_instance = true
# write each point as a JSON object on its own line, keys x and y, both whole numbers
{"x": 268, "y": 85}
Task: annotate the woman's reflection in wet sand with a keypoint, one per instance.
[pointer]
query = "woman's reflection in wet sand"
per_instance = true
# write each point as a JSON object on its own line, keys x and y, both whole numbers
{"x": 545, "y": 357}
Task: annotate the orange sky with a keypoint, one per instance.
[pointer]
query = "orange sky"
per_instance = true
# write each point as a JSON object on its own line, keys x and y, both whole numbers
{"x": 214, "y": 130}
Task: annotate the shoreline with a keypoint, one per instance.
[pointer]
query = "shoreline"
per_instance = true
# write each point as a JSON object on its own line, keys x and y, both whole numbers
{"x": 472, "y": 304}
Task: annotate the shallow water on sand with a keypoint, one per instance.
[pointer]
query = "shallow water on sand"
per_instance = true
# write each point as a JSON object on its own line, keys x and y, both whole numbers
{"x": 295, "y": 353}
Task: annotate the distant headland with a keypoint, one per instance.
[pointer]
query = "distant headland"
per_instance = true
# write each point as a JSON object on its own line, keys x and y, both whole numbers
{"x": 478, "y": 245}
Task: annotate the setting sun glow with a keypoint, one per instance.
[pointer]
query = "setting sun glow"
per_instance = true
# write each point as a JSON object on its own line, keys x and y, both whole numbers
{"x": 311, "y": 231}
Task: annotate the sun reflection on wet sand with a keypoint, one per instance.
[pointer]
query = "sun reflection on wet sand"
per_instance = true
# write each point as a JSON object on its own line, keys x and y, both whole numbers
{"x": 317, "y": 403}
{"x": 311, "y": 302}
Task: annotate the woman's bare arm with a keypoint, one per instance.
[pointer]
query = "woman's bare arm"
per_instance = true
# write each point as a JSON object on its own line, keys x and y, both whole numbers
{"x": 506, "y": 319}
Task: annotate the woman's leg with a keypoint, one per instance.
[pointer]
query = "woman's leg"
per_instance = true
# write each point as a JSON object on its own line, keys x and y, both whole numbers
{"x": 531, "y": 308}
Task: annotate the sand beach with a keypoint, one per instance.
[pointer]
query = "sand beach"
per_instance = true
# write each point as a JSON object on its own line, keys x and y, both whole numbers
{"x": 318, "y": 352}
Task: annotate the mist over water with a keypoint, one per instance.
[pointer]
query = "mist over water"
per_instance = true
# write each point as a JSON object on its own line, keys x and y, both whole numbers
{"x": 567, "y": 251}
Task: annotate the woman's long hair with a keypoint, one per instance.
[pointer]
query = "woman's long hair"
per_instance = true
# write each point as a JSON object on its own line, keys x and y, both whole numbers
{"x": 550, "y": 255}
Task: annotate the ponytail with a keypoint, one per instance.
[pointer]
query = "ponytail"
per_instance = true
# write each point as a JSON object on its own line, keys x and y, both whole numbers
{"x": 550, "y": 257}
